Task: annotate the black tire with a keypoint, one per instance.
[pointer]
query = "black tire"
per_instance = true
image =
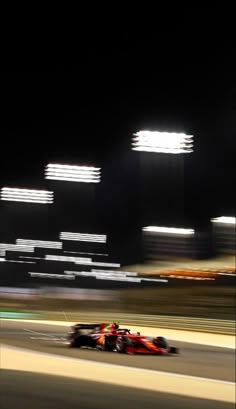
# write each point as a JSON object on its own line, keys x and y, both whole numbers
{"x": 162, "y": 342}
{"x": 73, "y": 343}
{"x": 81, "y": 341}
{"x": 122, "y": 343}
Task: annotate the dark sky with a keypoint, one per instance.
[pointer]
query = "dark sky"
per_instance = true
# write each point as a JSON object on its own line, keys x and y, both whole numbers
{"x": 84, "y": 108}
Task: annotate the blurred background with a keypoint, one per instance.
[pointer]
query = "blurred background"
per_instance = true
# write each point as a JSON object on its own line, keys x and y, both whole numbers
{"x": 149, "y": 124}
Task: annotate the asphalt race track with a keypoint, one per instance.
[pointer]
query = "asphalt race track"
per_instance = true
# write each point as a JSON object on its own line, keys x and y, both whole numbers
{"x": 194, "y": 360}
{"x": 29, "y": 390}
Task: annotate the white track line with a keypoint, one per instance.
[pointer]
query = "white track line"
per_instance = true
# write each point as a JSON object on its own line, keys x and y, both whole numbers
{"x": 20, "y": 359}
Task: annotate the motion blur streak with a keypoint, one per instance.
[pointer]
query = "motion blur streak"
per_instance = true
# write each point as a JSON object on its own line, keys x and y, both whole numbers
{"x": 61, "y": 392}
{"x": 16, "y": 359}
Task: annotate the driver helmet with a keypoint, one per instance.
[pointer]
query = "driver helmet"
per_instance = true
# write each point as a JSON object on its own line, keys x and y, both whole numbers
{"x": 115, "y": 326}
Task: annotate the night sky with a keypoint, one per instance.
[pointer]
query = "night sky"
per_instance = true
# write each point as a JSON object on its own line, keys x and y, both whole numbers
{"x": 84, "y": 110}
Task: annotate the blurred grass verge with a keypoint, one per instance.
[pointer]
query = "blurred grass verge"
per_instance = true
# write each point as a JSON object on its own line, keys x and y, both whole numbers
{"x": 198, "y": 302}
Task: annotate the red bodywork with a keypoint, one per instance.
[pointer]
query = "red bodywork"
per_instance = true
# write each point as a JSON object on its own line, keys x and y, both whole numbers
{"x": 139, "y": 344}
{"x": 121, "y": 340}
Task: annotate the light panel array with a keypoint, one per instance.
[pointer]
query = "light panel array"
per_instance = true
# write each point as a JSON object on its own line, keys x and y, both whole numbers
{"x": 80, "y": 260}
{"x": 73, "y": 173}
{"x": 94, "y": 238}
{"x": 164, "y": 142}
{"x": 53, "y": 276}
{"x": 168, "y": 230}
{"x": 26, "y": 195}
{"x": 21, "y": 262}
{"x": 40, "y": 243}
{"x": 224, "y": 220}
{"x": 68, "y": 259}
{"x": 15, "y": 247}
{"x": 110, "y": 275}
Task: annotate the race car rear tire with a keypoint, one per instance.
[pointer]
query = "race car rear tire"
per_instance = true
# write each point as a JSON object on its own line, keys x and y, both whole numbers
{"x": 72, "y": 343}
{"x": 80, "y": 341}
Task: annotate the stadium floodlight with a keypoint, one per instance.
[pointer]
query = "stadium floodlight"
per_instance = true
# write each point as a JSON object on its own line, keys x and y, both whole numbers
{"x": 19, "y": 261}
{"x": 155, "y": 279}
{"x": 94, "y": 238}
{"x": 68, "y": 259}
{"x": 224, "y": 220}
{"x": 26, "y": 195}
{"x": 79, "y": 260}
{"x": 98, "y": 264}
{"x": 34, "y": 258}
{"x": 163, "y": 142}
{"x": 40, "y": 243}
{"x": 53, "y": 276}
{"x": 104, "y": 276}
{"x": 118, "y": 278}
{"x": 168, "y": 230}
{"x": 73, "y": 173}
{"x": 113, "y": 275}
{"x": 15, "y": 247}
{"x": 127, "y": 273}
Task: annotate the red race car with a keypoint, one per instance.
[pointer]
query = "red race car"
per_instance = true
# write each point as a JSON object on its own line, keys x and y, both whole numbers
{"x": 109, "y": 337}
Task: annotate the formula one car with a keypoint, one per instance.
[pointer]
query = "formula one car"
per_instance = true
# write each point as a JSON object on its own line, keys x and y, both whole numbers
{"x": 112, "y": 338}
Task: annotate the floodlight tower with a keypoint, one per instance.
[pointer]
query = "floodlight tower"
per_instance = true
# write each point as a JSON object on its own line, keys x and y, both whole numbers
{"x": 24, "y": 211}
{"x": 74, "y": 187}
{"x": 161, "y": 242}
{"x": 162, "y": 175}
{"x": 224, "y": 235}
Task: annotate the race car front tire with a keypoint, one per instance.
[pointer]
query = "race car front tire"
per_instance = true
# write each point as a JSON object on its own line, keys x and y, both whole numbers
{"x": 122, "y": 343}
{"x": 162, "y": 342}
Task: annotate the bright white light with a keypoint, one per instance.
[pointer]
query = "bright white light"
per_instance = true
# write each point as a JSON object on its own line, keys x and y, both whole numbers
{"x": 227, "y": 274}
{"x": 34, "y": 258}
{"x": 99, "y": 264}
{"x": 79, "y": 260}
{"x": 19, "y": 261}
{"x": 113, "y": 275}
{"x": 115, "y": 278}
{"x": 165, "y": 142}
{"x": 155, "y": 279}
{"x": 26, "y": 195}
{"x": 168, "y": 230}
{"x": 2, "y": 259}
{"x": 104, "y": 276}
{"x": 224, "y": 219}
{"x": 125, "y": 273}
{"x": 95, "y": 238}
{"x": 72, "y": 173}
{"x": 53, "y": 276}
{"x": 40, "y": 243}
{"x": 69, "y": 259}
{"x": 101, "y": 273}
{"x": 15, "y": 247}
{"x": 80, "y": 273}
